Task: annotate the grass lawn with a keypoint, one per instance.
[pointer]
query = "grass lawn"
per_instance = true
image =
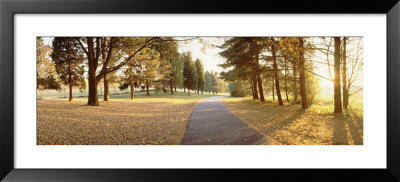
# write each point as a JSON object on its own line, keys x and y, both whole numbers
{"x": 289, "y": 125}
{"x": 156, "y": 119}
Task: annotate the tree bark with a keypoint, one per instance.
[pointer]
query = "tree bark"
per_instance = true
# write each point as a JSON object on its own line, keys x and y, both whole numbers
{"x": 93, "y": 99}
{"x": 278, "y": 89}
{"x": 70, "y": 80}
{"x": 163, "y": 87}
{"x": 303, "y": 92}
{"x": 272, "y": 88}
{"x": 337, "y": 93}
{"x": 344, "y": 76}
{"x": 106, "y": 88}
{"x": 171, "y": 87}
{"x": 260, "y": 88}
{"x": 255, "y": 88}
{"x": 105, "y": 81}
{"x": 188, "y": 91}
{"x": 70, "y": 91}
{"x": 295, "y": 93}
{"x": 147, "y": 87}
{"x": 252, "y": 89}
{"x": 132, "y": 90}
{"x": 286, "y": 91}
{"x": 184, "y": 89}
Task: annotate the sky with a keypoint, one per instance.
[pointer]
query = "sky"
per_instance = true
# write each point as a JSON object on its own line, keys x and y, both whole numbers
{"x": 207, "y": 54}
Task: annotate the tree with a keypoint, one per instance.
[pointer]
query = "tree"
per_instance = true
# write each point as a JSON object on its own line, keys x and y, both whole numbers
{"x": 93, "y": 50}
{"x": 235, "y": 89}
{"x": 148, "y": 61}
{"x": 168, "y": 51}
{"x": 46, "y": 74}
{"x": 344, "y": 76}
{"x": 214, "y": 82}
{"x": 354, "y": 65}
{"x": 207, "y": 81}
{"x": 290, "y": 49}
{"x": 69, "y": 62}
{"x": 177, "y": 73}
{"x": 303, "y": 91}
{"x": 194, "y": 76}
{"x": 221, "y": 86}
{"x": 116, "y": 55}
{"x": 275, "y": 65}
{"x": 337, "y": 86}
{"x": 200, "y": 76}
{"x": 244, "y": 53}
{"x": 189, "y": 72}
{"x": 130, "y": 76}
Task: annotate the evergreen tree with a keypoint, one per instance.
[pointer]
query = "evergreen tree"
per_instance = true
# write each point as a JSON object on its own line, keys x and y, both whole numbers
{"x": 200, "y": 76}
{"x": 69, "y": 62}
{"x": 189, "y": 71}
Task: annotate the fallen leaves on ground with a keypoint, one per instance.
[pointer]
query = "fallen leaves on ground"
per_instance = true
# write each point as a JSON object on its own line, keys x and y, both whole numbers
{"x": 161, "y": 121}
{"x": 289, "y": 125}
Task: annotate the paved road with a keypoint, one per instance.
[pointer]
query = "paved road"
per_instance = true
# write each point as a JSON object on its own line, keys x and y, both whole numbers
{"x": 211, "y": 123}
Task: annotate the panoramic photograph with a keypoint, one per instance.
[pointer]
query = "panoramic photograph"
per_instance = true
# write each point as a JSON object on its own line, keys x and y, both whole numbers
{"x": 199, "y": 90}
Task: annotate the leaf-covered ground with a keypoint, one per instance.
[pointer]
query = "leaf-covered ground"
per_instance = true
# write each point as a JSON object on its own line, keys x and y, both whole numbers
{"x": 289, "y": 125}
{"x": 158, "y": 119}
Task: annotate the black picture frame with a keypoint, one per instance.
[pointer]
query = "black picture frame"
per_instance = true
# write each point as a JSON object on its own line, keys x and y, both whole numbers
{"x": 9, "y": 8}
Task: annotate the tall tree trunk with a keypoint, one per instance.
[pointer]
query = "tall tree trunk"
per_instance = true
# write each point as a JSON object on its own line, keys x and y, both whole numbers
{"x": 70, "y": 91}
{"x": 132, "y": 90}
{"x": 188, "y": 91}
{"x": 175, "y": 86}
{"x": 344, "y": 76}
{"x": 70, "y": 81}
{"x": 106, "y": 88}
{"x": 163, "y": 87}
{"x": 198, "y": 87}
{"x": 252, "y": 89}
{"x": 254, "y": 80}
{"x": 278, "y": 89}
{"x": 105, "y": 81}
{"x": 303, "y": 92}
{"x": 272, "y": 88}
{"x": 184, "y": 89}
{"x": 286, "y": 91}
{"x": 147, "y": 87}
{"x": 295, "y": 93}
{"x": 93, "y": 99}
{"x": 260, "y": 88}
{"x": 171, "y": 87}
{"x": 337, "y": 93}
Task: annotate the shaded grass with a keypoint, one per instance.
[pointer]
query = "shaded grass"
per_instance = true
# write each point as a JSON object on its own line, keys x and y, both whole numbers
{"x": 156, "y": 120}
{"x": 290, "y": 125}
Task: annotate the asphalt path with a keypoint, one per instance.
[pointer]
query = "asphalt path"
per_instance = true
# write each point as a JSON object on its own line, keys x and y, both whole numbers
{"x": 211, "y": 123}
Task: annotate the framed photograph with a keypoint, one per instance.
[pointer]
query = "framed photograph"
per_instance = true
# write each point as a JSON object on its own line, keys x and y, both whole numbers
{"x": 132, "y": 90}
